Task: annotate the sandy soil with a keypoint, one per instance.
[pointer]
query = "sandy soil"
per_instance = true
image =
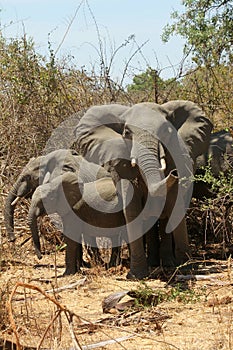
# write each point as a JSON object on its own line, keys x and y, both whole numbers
{"x": 198, "y": 317}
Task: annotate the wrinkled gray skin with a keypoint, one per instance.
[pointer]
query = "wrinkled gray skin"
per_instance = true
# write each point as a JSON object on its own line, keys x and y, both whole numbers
{"x": 75, "y": 203}
{"x": 219, "y": 158}
{"x": 42, "y": 170}
{"x": 221, "y": 146}
{"x": 111, "y": 135}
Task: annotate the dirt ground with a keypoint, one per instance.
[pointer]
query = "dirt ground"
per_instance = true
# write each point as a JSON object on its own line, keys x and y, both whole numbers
{"x": 197, "y": 317}
{"x": 41, "y": 309}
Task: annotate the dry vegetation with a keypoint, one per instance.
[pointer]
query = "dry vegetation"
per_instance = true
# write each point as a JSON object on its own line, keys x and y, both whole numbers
{"x": 36, "y": 96}
{"x": 41, "y": 309}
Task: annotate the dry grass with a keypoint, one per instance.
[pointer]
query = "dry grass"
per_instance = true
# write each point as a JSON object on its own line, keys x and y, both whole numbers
{"x": 198, "y": 317}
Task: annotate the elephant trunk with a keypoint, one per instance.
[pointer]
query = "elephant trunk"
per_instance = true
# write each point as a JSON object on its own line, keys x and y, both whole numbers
{"x": 147, "y": 154}
{"x": 34, "y": 212}
{"x": 9, "y": 215}
{"x": 10, "y": 204}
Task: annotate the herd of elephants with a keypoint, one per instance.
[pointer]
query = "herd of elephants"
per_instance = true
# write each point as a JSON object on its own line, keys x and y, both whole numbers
{"x": 129, "y": 176}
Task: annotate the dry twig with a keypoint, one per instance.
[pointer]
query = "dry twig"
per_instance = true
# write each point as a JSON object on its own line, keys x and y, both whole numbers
{"x": 61, "y": 308}
{"x": 68, "y": 286}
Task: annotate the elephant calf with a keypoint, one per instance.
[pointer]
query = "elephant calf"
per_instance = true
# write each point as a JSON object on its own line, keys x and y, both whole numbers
{"x": 91, "y": 208}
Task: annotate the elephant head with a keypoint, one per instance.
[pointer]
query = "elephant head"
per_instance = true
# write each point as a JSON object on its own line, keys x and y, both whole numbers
{"x": 59, "y": 196}
{"x": 219, "y": 154}
{"x": 147, "y": 141}
{"x": 42, "y": 170}
{"x": 219, "y": 159}
{"x": 24, "y": 186}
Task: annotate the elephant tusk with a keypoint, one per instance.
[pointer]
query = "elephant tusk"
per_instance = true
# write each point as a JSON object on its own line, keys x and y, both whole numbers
{"x": 163, "y": 164}
{"x": 133, "y": 162}
{"x": 46, "y": 178}
{"x": 15, "y": 201}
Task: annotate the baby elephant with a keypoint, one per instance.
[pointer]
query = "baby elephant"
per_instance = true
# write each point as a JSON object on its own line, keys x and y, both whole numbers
{"x": 92, "y": 208}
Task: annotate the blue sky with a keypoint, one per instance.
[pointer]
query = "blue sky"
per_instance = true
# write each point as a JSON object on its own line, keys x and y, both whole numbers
{"x": 116, "y": 21}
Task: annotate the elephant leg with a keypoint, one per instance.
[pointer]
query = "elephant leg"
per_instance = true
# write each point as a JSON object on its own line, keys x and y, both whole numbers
{"x": 180, "y": 236}
{"x": 166, "y": 245}
{"x": 138, "y": 262}
{"x": 93, "y": 250}
{"x": 95, "y": 255}
{"x": 134, "y": 223}
{"x": 174, "y": 248}
{"x": 115, "y": 257}
{"x": 73, "y": 256}
{"x": 152, "y": 246}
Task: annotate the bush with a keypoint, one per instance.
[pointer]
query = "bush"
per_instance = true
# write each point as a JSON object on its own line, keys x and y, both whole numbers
{"x": 36, "y": 95}
{"x": 210, "y": 220}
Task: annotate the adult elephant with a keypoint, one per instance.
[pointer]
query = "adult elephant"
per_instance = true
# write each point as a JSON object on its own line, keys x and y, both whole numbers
{"x": 42, "y": 170}
{"x": 140, "y": 146}
{"x": 220, "y": 152}
{"x": 219, "y": 159}
{"x": 92, "y": 209}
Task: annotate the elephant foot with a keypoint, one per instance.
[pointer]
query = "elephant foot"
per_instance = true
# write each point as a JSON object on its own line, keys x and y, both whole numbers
{"x": 153, "y": 262}
{"x": 70, "y": 271}
{"x": 181, "y": 259}
{"x": 139, "y": 275}
{"x": 169, "y": 261}
{"x": 86, "y": 264}
{"x": 38, "y": 253}
{"x": 156, "y": 272}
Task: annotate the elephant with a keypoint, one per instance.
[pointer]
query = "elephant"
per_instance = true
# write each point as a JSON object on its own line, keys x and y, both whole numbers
{"x": 221, "y": 146}
{"x": 42, "y": 170}
{"x": 140, "y": 145}
{"x": 219, "y": 157}
{"x": 93, "y": 209}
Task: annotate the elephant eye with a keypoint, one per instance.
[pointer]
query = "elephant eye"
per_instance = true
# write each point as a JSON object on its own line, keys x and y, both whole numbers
{"x": 26, "y": 178}
{"x": 126, "y": 133}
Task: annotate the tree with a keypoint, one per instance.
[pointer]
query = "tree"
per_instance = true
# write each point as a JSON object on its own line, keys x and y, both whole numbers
{"x": 211, "y": 88}
{"x": 207, "y": 27}
{"x": 148, "y": 86}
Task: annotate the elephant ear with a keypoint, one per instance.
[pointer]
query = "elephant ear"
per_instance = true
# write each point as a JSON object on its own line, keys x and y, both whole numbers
{"x": 60, "y": 195}
{"x": 32, "y": 169}
{"x": 192, "y": 125}
{"x": 72, "y": 188}
{"x": 99, "y": 135}
{"x": 96, "y": 116}
{"x": 47, "y": 177}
